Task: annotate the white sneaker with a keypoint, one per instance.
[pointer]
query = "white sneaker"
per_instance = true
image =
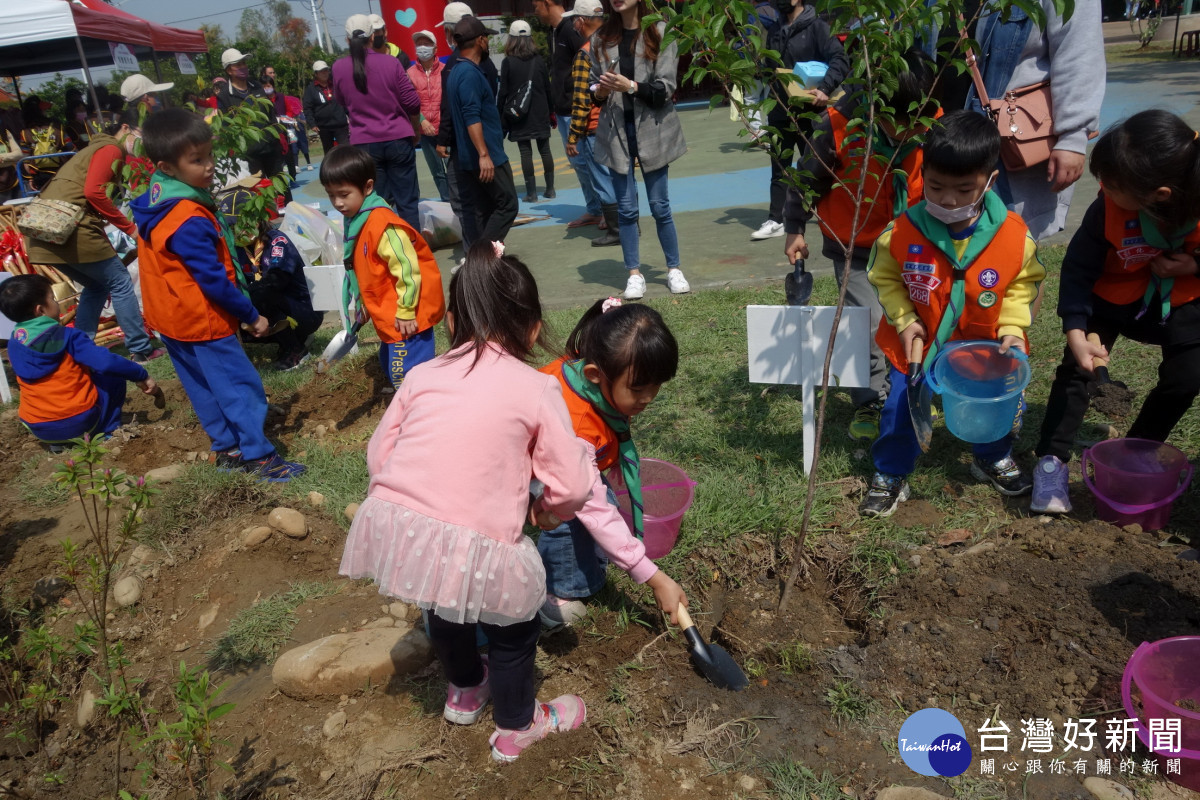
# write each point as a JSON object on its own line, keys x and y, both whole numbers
{"x": 676, "y": 282}
{"x": 454, "y": 270}
{"x": 768, "y": 230}
{"x": 635, "y": 287}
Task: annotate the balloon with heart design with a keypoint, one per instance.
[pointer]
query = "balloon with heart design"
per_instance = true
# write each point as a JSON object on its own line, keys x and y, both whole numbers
{"x": 407, "y": 17}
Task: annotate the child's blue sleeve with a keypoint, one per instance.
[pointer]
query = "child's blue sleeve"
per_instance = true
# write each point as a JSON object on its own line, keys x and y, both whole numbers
{"x": 196, "y": 243}
{"x": 99, "y": 359}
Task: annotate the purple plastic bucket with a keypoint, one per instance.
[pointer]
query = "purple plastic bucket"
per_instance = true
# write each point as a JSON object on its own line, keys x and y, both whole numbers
{"x": 1135, "y": 481}
{"x": 1165, "y": 675}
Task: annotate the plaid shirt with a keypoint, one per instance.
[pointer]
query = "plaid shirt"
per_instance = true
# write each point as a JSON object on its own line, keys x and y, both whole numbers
{"x": 583, "y": 120}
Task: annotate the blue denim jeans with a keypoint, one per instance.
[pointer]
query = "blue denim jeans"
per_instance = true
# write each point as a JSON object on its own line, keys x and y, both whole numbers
{"x": 396, "y": 177}
{"x": 437, "y": 166}
{"x": 575, "y": 567}
{"x": 598, "y": 174}
{"x": 660, "y": 206}
{"x": 101, "y": 280}
{"x": 586, "y": 185}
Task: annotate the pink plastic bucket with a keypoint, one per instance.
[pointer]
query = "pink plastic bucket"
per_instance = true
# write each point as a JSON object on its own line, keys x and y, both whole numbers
{"x": 1165, "y": 674}
{"x": 667, "y": 494}
{"x": 1135, "y": 480}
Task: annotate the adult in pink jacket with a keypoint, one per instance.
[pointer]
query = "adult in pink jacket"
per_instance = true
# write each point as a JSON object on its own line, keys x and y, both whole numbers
{"x": 426, "y": 77}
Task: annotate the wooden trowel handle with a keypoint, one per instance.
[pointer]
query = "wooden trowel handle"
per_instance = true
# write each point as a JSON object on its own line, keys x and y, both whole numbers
{"x": 685, "y": 619}
{"x": 916, "y": 350}
{"x": 1097, "y": 361}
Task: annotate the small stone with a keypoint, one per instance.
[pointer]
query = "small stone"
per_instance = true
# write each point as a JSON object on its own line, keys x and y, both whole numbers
{"x": 334, "y": 724}
{"x": 975, "y": 697}
{"x": 320, "y": 431}
{"x": 1069, "y": 677}
{"x": 914, "y": 560}
{"x": 351, "y": 510}
{"x": 331, "y": 424}
{"x": 85, "y": 712}
{"x": 179, "y": 648}
{"x": 49, "y": 590}
{"x": 316, "y": 499}
{"x": 1133, "y": 529}
{"x": 747, "y": 784}
{"x": 1102, "y": 789}
{"x": 991, "y": 623}
{"x": 167, "y": 474}
{"x": 127, "y": 591}
{"x": 114, "y": 451}
{"x": 983, "y": 547}
{"x": 256, "y": 535}
{"x": 326, "y": 775}
{"x": 384, "y": 608}
{"x": 398, "y": 610}
{"x": 140, "y": 555}
{"x": 191, "y": 457}
{"x": 1112, "y": 432}
{"x": 289, "y": 522}
{"x": 208, "y": 617}
{"x": 382, "y": 622}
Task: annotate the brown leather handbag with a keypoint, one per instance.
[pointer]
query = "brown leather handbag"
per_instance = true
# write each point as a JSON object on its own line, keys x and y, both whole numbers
{"x": 1025, "y": 119}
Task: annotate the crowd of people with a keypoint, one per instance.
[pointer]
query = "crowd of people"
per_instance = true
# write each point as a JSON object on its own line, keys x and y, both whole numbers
{"x": 947, "y": 251}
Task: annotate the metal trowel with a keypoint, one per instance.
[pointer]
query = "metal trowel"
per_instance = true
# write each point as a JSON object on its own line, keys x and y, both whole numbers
{"x": 798, "y": 285}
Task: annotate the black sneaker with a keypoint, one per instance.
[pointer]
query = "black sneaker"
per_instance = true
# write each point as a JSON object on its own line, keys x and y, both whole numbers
{"x": 1006, "y": 475}
{"x": 549, "y": 194}
{"x": 149, "y": 355}
{"x": 229, "y": 460}
{"x": 273, "y": 468}
{"x": 886, "y": 492}
{"x": 292, "y": 360}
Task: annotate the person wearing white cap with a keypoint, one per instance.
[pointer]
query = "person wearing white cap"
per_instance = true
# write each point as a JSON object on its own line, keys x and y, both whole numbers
{"x": 524, "y": 102}
{"x": 384, "y": 110}
{"x": 265, "y": 155}
{"x": 322, "y": 110}
{"x": 380, "y": 43}
{"x": 139, "y": 89}
{"x": 426, "y": 76}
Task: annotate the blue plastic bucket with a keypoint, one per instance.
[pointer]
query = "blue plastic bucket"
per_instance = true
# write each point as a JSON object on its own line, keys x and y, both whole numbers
{"x": 980, "y": 388}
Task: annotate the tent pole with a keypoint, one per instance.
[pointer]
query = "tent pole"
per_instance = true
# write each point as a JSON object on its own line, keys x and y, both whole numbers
{"x": 16, "y": 87}
{"x": 87, "y": 73}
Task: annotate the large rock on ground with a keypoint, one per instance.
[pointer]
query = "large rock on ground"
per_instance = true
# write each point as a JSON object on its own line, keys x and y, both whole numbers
{"x": 288, "y": 521}
{"x": 345, "y": 662}
{"x": 167, "y": 474}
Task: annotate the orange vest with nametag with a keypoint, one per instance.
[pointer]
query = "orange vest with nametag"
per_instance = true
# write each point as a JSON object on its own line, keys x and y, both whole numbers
{"x": 377, "y": 284}
{"x": 62, "y": 394}
{"x": 588, "y": 424}
{"x": 928, "y": 275}
{"x": 1127, "y": 266}
{"x": 173, "y": 302}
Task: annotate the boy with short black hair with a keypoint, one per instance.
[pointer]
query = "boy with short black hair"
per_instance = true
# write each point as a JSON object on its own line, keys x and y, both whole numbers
{"x": 958, "y": 265}
{"x": 392, "y": 275}
{"x": 194, "y": 296}
{"x": 70, "y": 386}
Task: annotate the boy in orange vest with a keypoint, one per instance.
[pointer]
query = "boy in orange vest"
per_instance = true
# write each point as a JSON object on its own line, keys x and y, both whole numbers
{"x": 835, "y": 156}
{"x": 194, "y": 297}
{"x": 958, "y": 265}
{"x": 391, "y": 274}
{"x": 69, "y": 385}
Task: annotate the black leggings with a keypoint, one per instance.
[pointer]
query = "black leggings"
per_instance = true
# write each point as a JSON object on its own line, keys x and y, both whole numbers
{"x": 526, "y": 148}
{"x": 1178, "y": 378}
{"x": 511, "y": 649}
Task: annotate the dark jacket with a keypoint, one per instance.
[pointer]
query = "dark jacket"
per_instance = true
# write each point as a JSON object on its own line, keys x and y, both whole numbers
{"x": 807, "y": 39}
{"x": 514, "y": 74}
{"x": 321, "y": 109}
{"x": 229, "y": 98}
{"x": 445, "y": 135}
{"x": 564, "y": 43}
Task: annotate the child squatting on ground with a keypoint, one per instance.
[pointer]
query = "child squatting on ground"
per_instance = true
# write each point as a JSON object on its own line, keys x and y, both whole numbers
{"x": 195, "y": 297}
{"x": 834, "y": 158}
{"x": 450, "y": 467}
{"x": 1130, "y": 271}
{"x": 617, "y": 359}
{"x": 392, "y": 277}
{"x": 70, "y": 387}
{"x": 958, "y": 265}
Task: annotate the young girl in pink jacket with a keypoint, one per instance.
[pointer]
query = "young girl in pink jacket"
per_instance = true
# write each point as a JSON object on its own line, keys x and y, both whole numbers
{"x": 450, "y": 467}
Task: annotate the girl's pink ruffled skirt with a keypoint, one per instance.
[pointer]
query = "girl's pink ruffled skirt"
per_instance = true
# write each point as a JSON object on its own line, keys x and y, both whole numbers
{"x": 453, "y": 571}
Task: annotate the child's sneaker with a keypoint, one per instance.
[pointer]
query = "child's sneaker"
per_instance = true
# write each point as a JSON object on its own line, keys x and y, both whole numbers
{"x": 1051, "y": 479}
{"x": 229, "y": 460}
{"x": 561, "y": 714}
{"x": 1006, "y": 475}
{"x": 558, "y": 612}
{"x": 465, "y": 706}
{"x": 865, "y": 425}
{"x": 292, "y": 360}
{"x": 886, "y": 492}
{"x": 273, "y": 469}
{"x": 149, "y": 355}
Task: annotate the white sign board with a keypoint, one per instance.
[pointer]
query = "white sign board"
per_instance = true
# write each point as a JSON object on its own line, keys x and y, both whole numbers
{"x": 325, "y": 287}
{"x": 185, "y": 64}
{"x": 123, "y": 57}
{"x": 787, "y": 345}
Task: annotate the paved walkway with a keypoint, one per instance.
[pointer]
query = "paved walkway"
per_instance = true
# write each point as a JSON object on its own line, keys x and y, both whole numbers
{"x": 719, "y": 195}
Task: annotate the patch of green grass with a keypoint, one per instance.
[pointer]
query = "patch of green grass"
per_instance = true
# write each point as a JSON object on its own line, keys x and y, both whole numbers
{"x": 791, "y": 780}
{"x": 795, "y": 658}
{"x": 255, "y": 634}
{"x": 847, "y": 702}
{"x": 340, "y": 475}
{"x": 195, "y": 501}
{"x": 40, "y": 491}
{"x": 1134, "y": 53}
{"x": 976, "y": 788}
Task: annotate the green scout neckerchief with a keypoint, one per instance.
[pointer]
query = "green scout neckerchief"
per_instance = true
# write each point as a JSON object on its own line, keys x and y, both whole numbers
{"x": 29, "y": 330}
{"x": 895, "y": 154}
{"x": 164, "y": 188}
{"x": 986, "y": 227}
{"x": 1168, "y": 244}
{"x": 354, "y": 227}
{"x": 630, "y": 464}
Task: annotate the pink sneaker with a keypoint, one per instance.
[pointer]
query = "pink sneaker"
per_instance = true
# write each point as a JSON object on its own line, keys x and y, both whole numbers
{"x": 561, "y": 714}
{"x": 464, "y": 706}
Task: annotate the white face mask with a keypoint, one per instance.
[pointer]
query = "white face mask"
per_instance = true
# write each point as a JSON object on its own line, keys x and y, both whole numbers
{"x": 425, "y": 52}
{"x": 953, "y": 216}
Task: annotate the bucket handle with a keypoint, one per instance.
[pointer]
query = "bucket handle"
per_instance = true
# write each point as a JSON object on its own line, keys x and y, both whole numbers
{"x": 1085, "y": 460}
{"x": 1127, "y": 701}
{"x": 656, "y": 486}
{"x": 1013, "y": 352}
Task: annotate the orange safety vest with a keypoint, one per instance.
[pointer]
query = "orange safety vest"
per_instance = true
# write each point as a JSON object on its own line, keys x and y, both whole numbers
{"x": 928, "y": 274}
{"x": 378, "y": 285}
{"x": 1127, "y": 266}
{"x": 835, "y": 209}
{"x": 62, "y": 394}
{"x": 588, "y": 424}
{"x": 173, "y": 302}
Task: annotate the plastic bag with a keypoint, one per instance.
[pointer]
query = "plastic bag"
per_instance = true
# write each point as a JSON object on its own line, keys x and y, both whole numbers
{"x": 439, "y": 226}
{"x": 318, "y": 238}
